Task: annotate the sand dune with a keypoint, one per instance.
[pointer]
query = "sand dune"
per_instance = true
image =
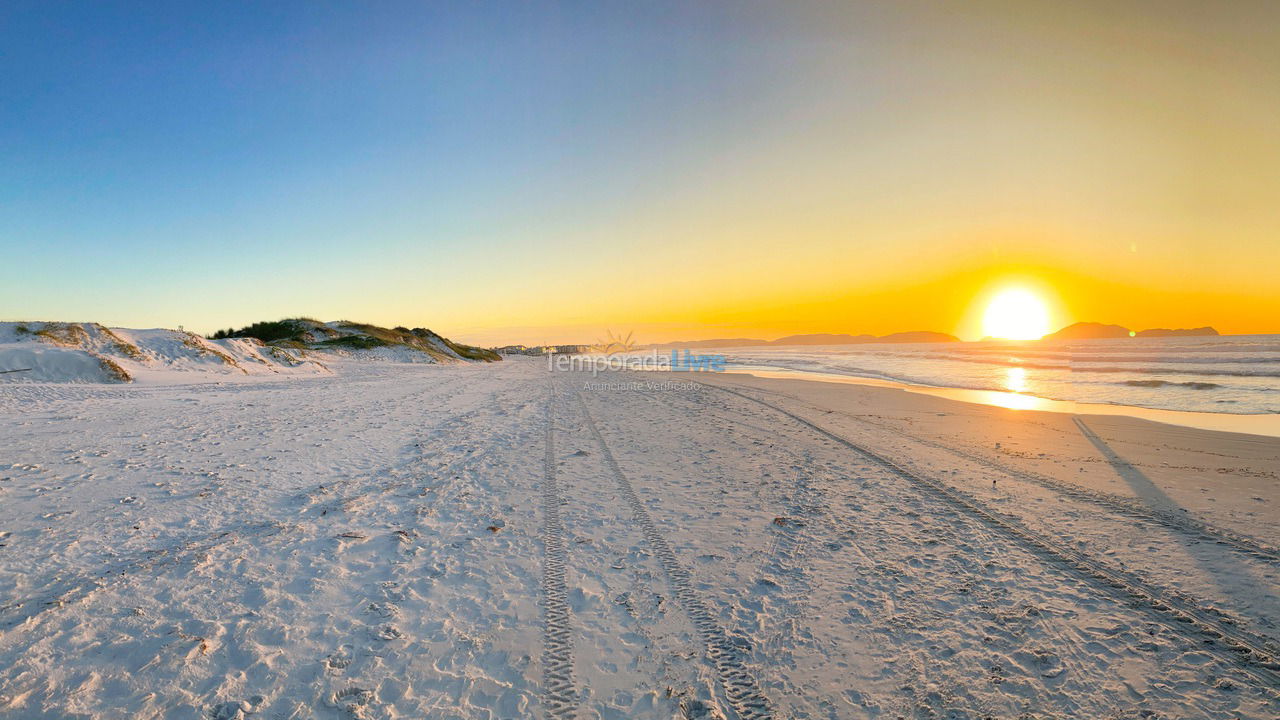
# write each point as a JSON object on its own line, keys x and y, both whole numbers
{"x": 60, "y": 352}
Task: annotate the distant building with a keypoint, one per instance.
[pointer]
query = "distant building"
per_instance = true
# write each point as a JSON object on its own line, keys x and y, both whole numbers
{"x": 567, "y": 349}
{"x": 542, "y": 349}
{"x": 513, "y": 350}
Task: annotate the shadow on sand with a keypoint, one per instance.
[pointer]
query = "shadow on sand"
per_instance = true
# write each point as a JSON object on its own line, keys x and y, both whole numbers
{"x": 1223, "y": 569}
{"x": 1139, "y": 483}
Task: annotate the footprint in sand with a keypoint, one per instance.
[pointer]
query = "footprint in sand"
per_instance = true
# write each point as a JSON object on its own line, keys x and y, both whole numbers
{"x": 237, "y": 709}
{"x": 339, "y": 660}
{"x": 391, "y": 591}
{"x": 353, "y": 698}
{"x": 382, "y": 610}
{"x": 694, "y": 709}
{"x": 386, "y": 632}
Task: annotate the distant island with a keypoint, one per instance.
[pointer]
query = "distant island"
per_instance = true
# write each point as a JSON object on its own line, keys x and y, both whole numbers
{"x": 1097, "y": 331}
{"x": 1181, "y": 332}
{"x": 1089, "y": 331}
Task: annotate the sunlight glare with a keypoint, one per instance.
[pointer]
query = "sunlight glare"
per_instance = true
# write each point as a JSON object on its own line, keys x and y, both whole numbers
{"x": 1016, "y": 314}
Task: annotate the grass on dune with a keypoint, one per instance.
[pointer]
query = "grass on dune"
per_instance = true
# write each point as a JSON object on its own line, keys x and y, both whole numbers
{"x": 269, "y": 331}
{"x": 355, "y": 342}
{"x": 297, "y": 332}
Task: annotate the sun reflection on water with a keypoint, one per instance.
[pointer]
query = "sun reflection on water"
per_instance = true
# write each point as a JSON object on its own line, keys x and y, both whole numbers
{"x": 1011, "y": 400}
{"x": 1016, "y": 380}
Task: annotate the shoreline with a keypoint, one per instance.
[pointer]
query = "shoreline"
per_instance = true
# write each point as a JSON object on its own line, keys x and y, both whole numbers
{"x": 1267, "y": 425}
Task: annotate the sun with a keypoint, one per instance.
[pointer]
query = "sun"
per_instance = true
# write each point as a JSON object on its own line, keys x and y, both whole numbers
{"x": 1016, "y": 314}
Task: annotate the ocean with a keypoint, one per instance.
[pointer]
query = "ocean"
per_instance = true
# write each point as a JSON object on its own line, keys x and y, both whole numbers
{"x": 1237, "y": 374}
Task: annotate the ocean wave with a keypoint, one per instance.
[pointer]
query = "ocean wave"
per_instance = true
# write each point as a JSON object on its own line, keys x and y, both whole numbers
{"x": 1166, "y": 358}
{"x": 1166, "y": 383}
{"x": 849, "y": 370}
{"x": 1079, "y": 366}
{"x": 1069, "y": 358}
{"x": 1206, "y": 372}
{"x": 1142, "y": 377}
{"x": 1253, "y": 344}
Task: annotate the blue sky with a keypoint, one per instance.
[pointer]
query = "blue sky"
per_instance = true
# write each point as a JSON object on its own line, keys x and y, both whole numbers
{"x": 535, "y": 171}
{"x": 258, "y": 149}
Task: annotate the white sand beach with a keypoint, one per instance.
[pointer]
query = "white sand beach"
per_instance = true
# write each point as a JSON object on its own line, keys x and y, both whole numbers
{"x": 497, "y": 541}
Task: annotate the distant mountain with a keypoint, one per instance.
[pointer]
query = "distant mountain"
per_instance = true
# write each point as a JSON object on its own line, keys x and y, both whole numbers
{"x": 917, "y": 336}
{"x": 823, "y": 339}
{"x": 1088, "y": 331}
{"x": 1181, "y": 332}
{"x": 717, "y": 343}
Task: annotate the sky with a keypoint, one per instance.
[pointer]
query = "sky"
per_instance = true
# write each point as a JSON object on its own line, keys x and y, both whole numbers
{"x": 550, "y": 172}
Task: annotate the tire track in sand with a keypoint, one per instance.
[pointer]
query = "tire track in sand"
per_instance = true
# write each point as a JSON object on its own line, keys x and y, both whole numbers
{"x": 1194, "y": 528}
{"x": 743, "y": 692}
{"x": 1253, "y": 655}
{"x": 559, "y": 698}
